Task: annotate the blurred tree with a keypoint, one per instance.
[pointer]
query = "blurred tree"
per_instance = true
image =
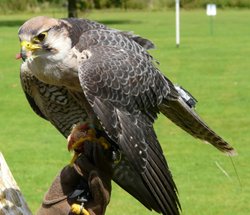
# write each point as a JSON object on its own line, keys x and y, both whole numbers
{"x": 72, "y": 8}
{"x": 116, "y": 3}
{"x": 125, "y": 5}
{"x": 97, "y": 4}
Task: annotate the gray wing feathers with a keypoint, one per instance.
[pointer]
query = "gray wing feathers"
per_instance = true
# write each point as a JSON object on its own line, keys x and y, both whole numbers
{"x": 114, "y": 38}
{"x": 125, "y": 79}
{"x": 145, "y": 43}
{"x": 124, "y": 89}
{"x": 137, "y": 142}
{"x": 81, "y": 26}
{"x": 130, "y": 180}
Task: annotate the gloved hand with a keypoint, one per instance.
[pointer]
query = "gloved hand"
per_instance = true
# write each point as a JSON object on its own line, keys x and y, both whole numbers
{"x": 91, "y": 173}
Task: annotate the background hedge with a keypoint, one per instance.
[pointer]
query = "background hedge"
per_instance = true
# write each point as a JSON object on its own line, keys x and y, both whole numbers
{"x": 33, "y": 5}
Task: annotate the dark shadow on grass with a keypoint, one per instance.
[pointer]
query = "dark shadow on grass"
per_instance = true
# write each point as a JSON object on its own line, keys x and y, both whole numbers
{"x": 118, "y": 22}
{"x": 16, "y": 23}
{"x": 11, "y": 23}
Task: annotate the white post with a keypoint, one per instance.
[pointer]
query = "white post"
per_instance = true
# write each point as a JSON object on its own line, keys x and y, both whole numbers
{"x": 177, "y": 8}
{"x": 211, "y": 11}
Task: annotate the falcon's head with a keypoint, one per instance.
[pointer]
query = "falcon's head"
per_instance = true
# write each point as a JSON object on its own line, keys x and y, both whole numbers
{"x": 46, "y": 49}
{"x": 44, "y": 37}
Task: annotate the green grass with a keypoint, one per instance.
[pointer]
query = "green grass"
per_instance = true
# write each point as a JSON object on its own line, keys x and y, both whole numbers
{"x": 215, "y": 68}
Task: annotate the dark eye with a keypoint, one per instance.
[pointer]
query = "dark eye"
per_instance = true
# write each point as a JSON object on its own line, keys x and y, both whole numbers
{"x": 40, "y": 37}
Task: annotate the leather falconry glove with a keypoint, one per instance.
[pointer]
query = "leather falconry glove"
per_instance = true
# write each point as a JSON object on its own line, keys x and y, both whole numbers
{"x": 83, "y": 188}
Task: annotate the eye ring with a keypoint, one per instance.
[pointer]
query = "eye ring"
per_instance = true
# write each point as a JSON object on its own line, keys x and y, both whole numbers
{"x": 40, "y": 37}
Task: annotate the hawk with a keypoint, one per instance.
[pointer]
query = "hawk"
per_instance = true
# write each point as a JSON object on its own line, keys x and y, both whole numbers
{"x": 80, "y": 72}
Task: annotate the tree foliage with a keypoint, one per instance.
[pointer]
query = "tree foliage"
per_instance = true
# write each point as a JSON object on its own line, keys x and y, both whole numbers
{"x": 22, "y": 5}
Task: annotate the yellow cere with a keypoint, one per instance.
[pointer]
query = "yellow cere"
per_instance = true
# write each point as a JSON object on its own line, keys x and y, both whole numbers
{"x": 29, "y": 46}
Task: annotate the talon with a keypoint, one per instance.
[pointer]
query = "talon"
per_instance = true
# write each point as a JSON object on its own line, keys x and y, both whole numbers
{"x": 74, "y": 158}
{"x": 77, "y": 144}
{"x": 79, "y": 135}
{"x": 104, "y": 142}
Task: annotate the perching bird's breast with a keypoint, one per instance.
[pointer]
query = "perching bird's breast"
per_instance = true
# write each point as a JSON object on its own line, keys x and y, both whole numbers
{"x": 62, "y": 73}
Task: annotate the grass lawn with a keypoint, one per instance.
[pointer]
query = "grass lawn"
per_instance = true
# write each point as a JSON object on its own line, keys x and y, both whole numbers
{"x": 215, "y": 68}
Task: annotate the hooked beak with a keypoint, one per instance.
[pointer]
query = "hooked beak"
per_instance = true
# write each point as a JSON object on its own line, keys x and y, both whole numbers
{"x": 27, "y": 48}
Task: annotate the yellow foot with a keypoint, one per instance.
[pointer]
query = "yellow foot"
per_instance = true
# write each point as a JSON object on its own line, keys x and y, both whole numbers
{"x": 81, "y": 133}
{"x": 79, "y": 209}
{"x": 74, "y": 158}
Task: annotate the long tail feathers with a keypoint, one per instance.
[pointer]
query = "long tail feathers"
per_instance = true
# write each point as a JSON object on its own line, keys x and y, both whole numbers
{"x": 178, "y": 111}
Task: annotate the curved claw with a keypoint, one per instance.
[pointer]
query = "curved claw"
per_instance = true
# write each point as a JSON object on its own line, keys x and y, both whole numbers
{"x": 79, "y": 135}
